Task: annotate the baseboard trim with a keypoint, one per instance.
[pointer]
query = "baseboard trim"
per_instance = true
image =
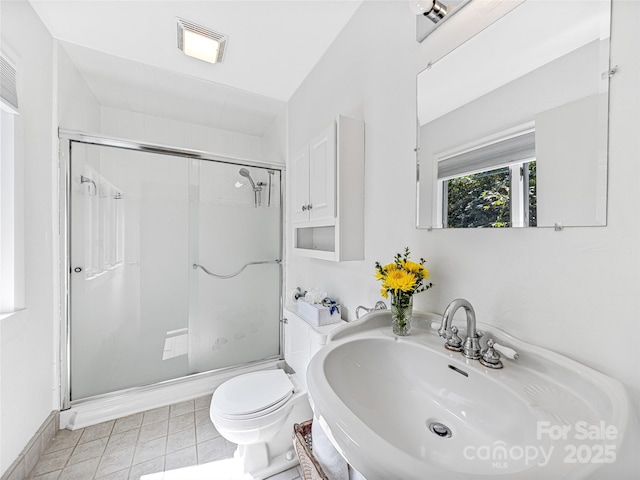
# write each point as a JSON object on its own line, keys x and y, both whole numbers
{"x": 26, "y": 461}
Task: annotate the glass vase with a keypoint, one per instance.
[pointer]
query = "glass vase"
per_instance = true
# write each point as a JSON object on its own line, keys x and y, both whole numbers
{"x": 401, "y": 312}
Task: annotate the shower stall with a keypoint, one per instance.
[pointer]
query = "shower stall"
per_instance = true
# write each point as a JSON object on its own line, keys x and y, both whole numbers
{"x": 172, "y": 264}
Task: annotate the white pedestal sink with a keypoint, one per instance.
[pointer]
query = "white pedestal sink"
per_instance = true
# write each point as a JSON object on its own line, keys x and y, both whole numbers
{"x": 406, "y": 408}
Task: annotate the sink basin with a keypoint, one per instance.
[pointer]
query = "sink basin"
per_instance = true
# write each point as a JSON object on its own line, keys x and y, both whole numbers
{"x": 404, "y": 407}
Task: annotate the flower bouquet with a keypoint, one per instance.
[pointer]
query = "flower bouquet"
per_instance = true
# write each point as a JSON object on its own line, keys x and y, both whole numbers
{"x": 402, "y": 279}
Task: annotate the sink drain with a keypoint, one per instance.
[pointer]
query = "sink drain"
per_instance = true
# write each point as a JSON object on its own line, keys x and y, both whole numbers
{"x": 440, "y": 429}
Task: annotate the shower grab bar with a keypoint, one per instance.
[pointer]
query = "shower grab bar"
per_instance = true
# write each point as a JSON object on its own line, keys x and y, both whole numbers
{"x": 235, "y": 274}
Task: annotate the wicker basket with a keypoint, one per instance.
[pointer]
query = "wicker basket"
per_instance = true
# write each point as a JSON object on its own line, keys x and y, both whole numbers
{"x": 311, "y": 469}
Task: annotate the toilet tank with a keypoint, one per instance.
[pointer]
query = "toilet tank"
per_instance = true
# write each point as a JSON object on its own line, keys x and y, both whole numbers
{"x": 302, "y": 340}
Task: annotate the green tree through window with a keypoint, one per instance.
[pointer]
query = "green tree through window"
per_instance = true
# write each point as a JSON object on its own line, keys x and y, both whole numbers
{"x": 483, "y": 200}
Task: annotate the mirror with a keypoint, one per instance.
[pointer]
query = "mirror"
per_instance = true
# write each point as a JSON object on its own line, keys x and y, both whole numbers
{"x": 513, "y": 122}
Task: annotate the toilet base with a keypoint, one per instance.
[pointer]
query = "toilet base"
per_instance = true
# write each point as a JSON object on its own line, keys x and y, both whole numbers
{"x": 259, "y": 466}
{"x": 264, "y": 459}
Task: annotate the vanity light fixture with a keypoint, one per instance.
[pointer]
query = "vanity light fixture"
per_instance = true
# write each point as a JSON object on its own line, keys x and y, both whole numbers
{"x": 432, "y": 14}
{"x": 200, "y": 42}
{"x": 432, "y": 9}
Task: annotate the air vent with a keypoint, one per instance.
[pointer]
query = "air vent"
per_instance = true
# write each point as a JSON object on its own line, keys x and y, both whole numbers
{"x": 200, "y": 42}
{"x": 8, "y": 92}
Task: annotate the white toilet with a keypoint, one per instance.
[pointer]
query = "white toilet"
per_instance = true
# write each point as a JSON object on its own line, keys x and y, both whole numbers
{"x": 257, "y": 410}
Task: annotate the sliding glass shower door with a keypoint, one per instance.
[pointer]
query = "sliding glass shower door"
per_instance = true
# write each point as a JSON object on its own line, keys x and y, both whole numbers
{"x": 174, "y": 267}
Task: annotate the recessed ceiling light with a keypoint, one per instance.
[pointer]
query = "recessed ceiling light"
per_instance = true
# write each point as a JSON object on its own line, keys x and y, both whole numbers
{"x": 200, "y": 42}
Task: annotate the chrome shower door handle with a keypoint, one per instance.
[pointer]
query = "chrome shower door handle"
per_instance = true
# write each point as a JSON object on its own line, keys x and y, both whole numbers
{"x": 234, "y": 274}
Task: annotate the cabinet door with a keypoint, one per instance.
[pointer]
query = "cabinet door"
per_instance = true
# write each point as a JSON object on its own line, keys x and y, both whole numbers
{"x": 300, "y": 186}
{"x": 322, "y": 176}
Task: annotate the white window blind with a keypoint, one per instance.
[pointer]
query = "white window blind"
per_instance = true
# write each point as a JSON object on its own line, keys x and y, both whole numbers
{"x": 8, "y": 90}
{"x": 504, "y": 152}
{"x": 11, "y": 234}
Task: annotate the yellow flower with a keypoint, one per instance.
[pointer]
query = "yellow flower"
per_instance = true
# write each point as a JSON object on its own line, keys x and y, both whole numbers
{"x": 402, "y": 277}
{"x": 425, "y": 272}
{"x": 390, "y": 267}
{"x": 386, "y": 270}
{"x": 400, "y": 280}
{"x": 412, "y": 267}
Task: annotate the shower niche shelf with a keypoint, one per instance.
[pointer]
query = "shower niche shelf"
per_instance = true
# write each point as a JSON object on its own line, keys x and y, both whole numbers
{"x": 327, "y": 195}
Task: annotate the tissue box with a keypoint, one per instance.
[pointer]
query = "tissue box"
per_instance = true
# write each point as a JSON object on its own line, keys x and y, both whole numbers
{"x": 317, "y": 314}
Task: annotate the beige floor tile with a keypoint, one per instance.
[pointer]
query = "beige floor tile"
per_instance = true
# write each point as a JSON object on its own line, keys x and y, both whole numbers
{"x": 81, "y": 470}
{"x": 202, "y": 417}
{"x": 202, "y": 403}
{"x": 181, "y": 408}
{"x": 115, "y": 461}
{"x": 150, "y": 450}
{"x": 180, "y": 440}
{"x": 182, "y": 422}
{"x": 51, "y": 462}
{"x": 155, "y": 465}
{"x": 206, "y": 431}
{"x": 213, "y": 449}
{"x": 153, "y": 430}
{"x": 97, "y": 431}
{"x": 64, "y": 439}
{"x": 128, "y": 423}
{"x": 182, "y": 458}
{"x": 231, "y": 447}
{"x": 46, "y": 476}
{"x": 87, "y": 450}
{"x": 155, "y": 415}
{"x": 119, "y": 475}
{"x": 159, "y": 440}
{"x": 122, "y": 440}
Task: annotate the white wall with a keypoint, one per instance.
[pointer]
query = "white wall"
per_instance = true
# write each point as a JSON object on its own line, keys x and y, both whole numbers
{"x": 274, "y": 147}
{"x": 78, "y": 108}
{"x": 166, "y": 131}
{"x": 27, "y": 379}
{"x": 574, "y": 291}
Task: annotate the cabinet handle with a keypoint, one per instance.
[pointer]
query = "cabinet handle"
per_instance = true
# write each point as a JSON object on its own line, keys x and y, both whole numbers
{"x": 309, "y": 207}
{"x": 304, "y": 208}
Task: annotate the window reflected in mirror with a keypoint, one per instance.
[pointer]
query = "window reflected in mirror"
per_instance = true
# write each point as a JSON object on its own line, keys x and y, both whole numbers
{"x": 497, "y": 198}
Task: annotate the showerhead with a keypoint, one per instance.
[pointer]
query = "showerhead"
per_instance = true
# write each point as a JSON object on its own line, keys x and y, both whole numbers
{"x": 245, "y": 173}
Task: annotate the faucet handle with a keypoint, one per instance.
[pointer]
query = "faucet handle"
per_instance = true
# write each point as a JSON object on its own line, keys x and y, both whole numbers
{"x": 490, "y": 358}
{"x": 454, "y": 342}
{"x": 506, "y": 351}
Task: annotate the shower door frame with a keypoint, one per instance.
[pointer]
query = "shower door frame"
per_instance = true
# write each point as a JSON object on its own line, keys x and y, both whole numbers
{"x": 66, "y": 140}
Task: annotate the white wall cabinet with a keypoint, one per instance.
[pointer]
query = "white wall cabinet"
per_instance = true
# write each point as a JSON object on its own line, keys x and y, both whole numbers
{"x": 327, "y": 193}
{"x": 314, "y": 198}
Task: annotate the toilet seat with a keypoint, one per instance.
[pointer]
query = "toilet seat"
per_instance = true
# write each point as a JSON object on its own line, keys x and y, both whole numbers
{"x": 252, "y": 395}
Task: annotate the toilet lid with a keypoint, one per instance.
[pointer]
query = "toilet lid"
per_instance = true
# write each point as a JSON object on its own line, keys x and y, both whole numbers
{"x": 252, "y": 393}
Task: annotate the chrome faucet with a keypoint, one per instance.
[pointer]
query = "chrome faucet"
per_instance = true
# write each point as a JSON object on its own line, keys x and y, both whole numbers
{"x": 471, "y": 346}
{"x": 380, "y": 305}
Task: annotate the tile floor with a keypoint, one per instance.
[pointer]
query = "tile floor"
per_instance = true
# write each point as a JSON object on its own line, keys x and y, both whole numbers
{"x": 177, "y": 441}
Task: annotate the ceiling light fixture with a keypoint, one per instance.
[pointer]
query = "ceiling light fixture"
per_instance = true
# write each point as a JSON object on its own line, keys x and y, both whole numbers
{"x": 200, "y": 42}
